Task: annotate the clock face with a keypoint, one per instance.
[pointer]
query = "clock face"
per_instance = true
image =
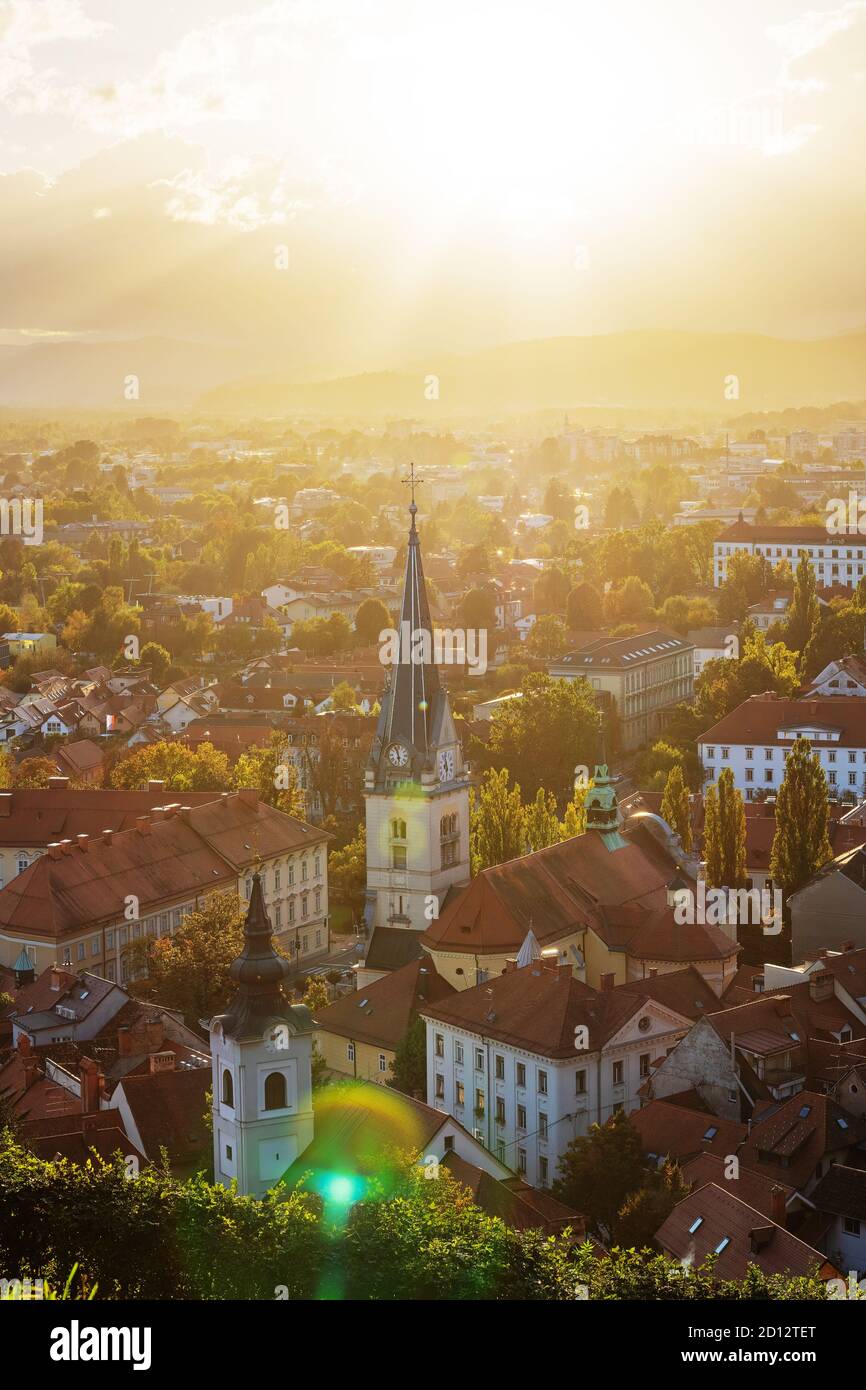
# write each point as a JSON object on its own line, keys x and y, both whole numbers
{"x": 398, "y": 756}
{"x": 446, "y": 765}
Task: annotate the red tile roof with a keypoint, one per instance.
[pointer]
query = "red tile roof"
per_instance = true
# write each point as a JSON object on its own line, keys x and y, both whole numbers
{"x": 381, "y": 1013}
{"x": 791, "y": 1140}
{"x": 758, "y": 720}
{"x": 713, "y": 1219}
{"x": 168, "y": 1108}
{"x": 681, "y": 1133}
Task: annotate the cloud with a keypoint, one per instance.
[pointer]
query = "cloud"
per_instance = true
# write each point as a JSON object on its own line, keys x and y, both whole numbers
{"x": 28, "y": 25}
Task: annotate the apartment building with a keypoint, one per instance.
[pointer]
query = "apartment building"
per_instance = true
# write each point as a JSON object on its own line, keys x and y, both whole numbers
{"x": 88, "y": 900}
{"x": 835, "y": 559}
{"x": 646, "y": 675}
{"x": 754, "y": 740}
{"x": 533, "y": 1058}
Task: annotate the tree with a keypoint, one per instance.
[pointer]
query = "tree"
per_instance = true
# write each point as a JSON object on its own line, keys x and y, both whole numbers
{"x": 347, "y": 873}
{"x": 478, "y": 610}
{"x": 157, "y": 658}
{"x": 267, "y": 770}
{"x": 182, "y": 769}
{"x": 630, "y": 602}
{"x": 344, "y": 699}
{"x": 316, "y": 994}
{"x": 675, "y": 807}
{"x": 725, "y": 834}
{"x": 547, "y": 637}
{"x": 34, "y": 772}
{"x": 541, "y": 823}
{"x": 190, "y": 970}
{"x": 497, "y": 824}
{"x": 804, "y": 612}
{"x": 409, "y": 1067}
{"x": 644, "y": 1211}
{"x": 599, "y": 1170}
{"x": 550, "y": 591}
{"x": 583, "y": 608}
{"x": 801, "y": 843}
{"x": 371, "y": 618}
{"x": 541, "y": 738}
{"x": 574, "y": 820}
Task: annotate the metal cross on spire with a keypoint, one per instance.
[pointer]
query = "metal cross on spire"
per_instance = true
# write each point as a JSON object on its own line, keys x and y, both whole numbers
{"x": 411, "y": 481}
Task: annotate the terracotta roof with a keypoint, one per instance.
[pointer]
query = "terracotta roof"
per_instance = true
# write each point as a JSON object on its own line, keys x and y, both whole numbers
{"x": 538, "y": 1009}
{"x": 782, "y": 535}
{"x": 713, "y": 1219}
{"x": 516, "y": 1203}
{"x": 75, "y": 1135}
{"x": 391, "y": 947}
{"x": 37, "y": 817}
{"x": 681, "y": 1133}
{"x": 751, "y": 1186}
{"x": 684, "y": 991}
{"x": 169, "y": 1112}
{"x": 624, "y": 653}
{"x": 842, "y": 1191}
{"x": 382, "y": 1012}
{"x": 557, "y": 891}
{"x": 663, "y": 938}
{"x": 81, "y": 756}
{"x": 792, "y": 1138}
{"x": 758, "y": 720}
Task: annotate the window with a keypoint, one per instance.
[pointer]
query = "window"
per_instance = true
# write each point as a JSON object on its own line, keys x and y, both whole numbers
{"x": 81, "y": 949}
{"x": 229, "y": 1152}
{"x": 228, "y": 1089}
{"x": 303, "y": 870}
{"x": 275, "y": 1091}
{"x": 292, "y": 910}
{"x": 398, "y": 856}
{"x": 458, "y": 1053}
{"x": 499, "y": 1067}
{"x": 750, "y": 753}
{"x": 617, "y": 1073}
{"x": 768, "y": 755}
{"x": 479, "y": 1059}
{"x": 460, "y": 1093}
{"x": 726, "y": 753}
{"x": 768, "y": 774}
{"x": 500, "y": 1111}
{"x": 439, "y": 1044}
{"x": 542, "y": 1083}
{"x": 383, "y": 1064}
{"x": 750, "y": 774}
{"x": 711, "y": 752}
{"x": 350, "y": 1052}
{"x": 542, "y": 1125}
{"x": 278, "y": 915}
{"x": 644, "y": 1064}
{"x": 305, "y": 907}
{"x": 521, "y": 1117}
{"x": 318, "y": 897}
{"x": 305, "y": 944}
{"x": 695, "y": 1224}
{"x": 852, "y": 1226}
{"x": 398, "y": 830}
{"x": 440, "y": 1086}
{"x": 479, "y": 1103}
{"x": 580, "y": 1083}
{"x": 542, "y": 1172}
{"x": 521, "y": 1074}
{"x": 521, "y": 1161}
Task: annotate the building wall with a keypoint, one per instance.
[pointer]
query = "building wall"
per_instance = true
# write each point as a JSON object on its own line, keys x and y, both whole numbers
{"x": 367, "y": 1064}
{"x": 703, "y": 1061}
{"x": 404, "y": 892}
{"x": 825, "y": 913}
{"x": 836, "y": 561}
{"x": 838, "y": 763}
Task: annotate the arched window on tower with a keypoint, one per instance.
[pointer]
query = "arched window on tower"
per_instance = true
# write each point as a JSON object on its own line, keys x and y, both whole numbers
{"x": 275, "y": 1091}
{"x": 228, "y": 1089}
{"x": 398, "y": 830}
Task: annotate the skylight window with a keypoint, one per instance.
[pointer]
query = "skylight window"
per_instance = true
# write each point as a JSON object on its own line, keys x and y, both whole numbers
{"x": 711, "y": 1132}
{"x": 695, "y": 1224}
{"x": 805, "y": 1111}
{"x": 843, "y": 1124}
{"x": 725, "y": 1241}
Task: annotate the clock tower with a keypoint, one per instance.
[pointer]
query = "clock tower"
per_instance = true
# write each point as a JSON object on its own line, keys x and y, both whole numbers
{"x": 416, "y": 783}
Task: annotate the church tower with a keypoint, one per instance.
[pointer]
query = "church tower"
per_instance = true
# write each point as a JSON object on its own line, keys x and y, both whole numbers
{"x": 261, "y": 1055}
{"x": 416, "y": 783}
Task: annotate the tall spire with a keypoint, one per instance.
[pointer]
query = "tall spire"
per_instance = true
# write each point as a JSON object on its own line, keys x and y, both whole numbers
{"x": 409, "y": 708}
{"x": 258, "y": 972}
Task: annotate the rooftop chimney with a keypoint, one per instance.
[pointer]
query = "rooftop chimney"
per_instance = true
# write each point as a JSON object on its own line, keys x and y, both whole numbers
{"x": 156, "y": 784}
{"x": 54, "y": 849}
{"x": 65, "y": 846}
{"x": 142, "y": 825}
{"x": 58, "y": 784}
{"x": 106, "y": 836}
{"x": 83, "y": 842}
{"x": 821, "y": 985}
{"x": 92, "y": 1084}
{"x": 778, "y": 1210}
{"x": 606, "y": 982}
{"x": 160, "y": 1061}
{"x": 5, "y": 803}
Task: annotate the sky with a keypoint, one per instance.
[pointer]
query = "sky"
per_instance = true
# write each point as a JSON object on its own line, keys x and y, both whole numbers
{"x": 347, "y": 184}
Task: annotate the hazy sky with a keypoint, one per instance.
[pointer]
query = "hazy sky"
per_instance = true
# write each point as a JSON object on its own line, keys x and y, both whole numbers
{"x": 436, "y": 173}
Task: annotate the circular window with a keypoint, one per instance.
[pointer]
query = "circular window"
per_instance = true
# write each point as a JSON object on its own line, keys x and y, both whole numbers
{"x": 643, "y": 1023}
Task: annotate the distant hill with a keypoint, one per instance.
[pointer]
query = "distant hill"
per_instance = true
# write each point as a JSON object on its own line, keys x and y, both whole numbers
{"x": 648, "y": 369}
{"x": 664, "y": 370}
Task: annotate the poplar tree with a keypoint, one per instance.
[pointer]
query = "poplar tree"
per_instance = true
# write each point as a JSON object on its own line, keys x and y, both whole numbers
{"x": 724, "y": 834}
{"x": 804, "y": 613}
{"x": 541, "y": 821}
{"x": 675, "y": 808}
{"x": 801, "y": 843}
{"x": 497, "y": 824}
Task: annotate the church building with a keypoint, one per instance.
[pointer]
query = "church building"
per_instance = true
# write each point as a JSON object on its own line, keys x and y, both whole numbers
{"x": 416, "y": 783}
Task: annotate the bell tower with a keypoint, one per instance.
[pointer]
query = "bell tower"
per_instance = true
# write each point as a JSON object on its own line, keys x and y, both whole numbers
{"x": 416, "y": 784}
{"x": 261, "y": 1055}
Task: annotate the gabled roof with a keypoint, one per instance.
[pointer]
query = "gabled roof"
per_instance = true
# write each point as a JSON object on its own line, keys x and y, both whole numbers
{"x": 759, "y": 719}
{"x": 681, "y": 1133}
{"x": 752, "y": 1187}
{"x": 392, "y": 947}
{"x": 169, "y": 1112}
{"x": 797, "y": 1134}
{"x": 712, "y": 1219}
{"x": 381, "y": 1013}
{"x": 842, "y": 1191}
